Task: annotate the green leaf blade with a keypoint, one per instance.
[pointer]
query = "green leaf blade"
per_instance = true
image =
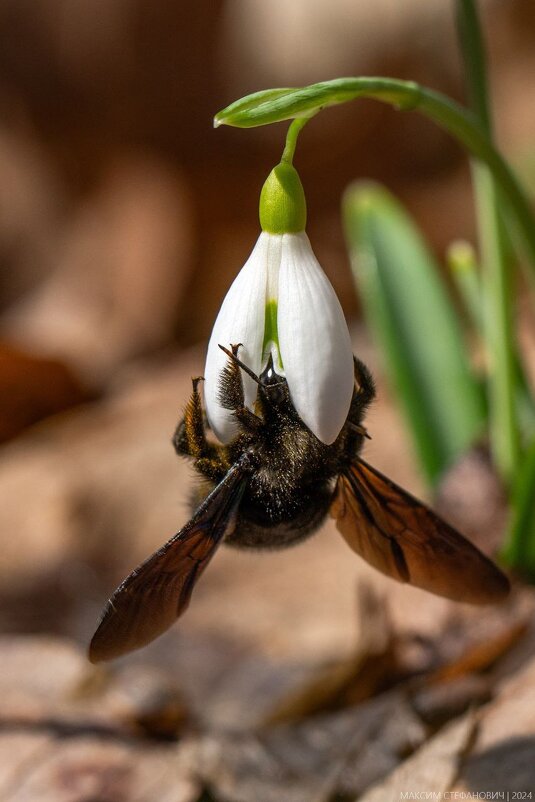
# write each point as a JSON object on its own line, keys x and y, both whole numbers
{"x": 416, "y": 326}
{"x": 519, "y": 548}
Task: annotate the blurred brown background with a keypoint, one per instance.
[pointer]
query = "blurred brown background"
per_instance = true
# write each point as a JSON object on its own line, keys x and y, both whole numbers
{"x": 124, "y": 217}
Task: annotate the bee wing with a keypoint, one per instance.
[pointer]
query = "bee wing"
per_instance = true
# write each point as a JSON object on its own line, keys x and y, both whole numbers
{"x": 407, "y": 541}
{"x": 159, "y": 590}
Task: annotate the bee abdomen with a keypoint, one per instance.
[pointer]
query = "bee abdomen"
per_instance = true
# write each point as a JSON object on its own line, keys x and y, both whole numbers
{"x": 278, "y": 522}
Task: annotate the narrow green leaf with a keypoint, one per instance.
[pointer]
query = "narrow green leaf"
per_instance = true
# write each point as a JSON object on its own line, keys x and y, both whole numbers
{"x": 519, "y": 548}
{"x": 415, "y": 324}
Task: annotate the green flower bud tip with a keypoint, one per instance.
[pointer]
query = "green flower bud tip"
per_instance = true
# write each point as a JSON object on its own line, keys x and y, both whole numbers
{"x": 283, "y": 208}
{"x": 461, "y": 256}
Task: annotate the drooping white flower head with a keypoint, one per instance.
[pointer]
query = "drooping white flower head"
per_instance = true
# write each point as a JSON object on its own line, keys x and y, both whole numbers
{"x": 282, "y": 303}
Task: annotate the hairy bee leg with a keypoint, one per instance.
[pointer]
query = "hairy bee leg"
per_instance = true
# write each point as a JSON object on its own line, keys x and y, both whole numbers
{"x": 363, "y": 395}
{"x": 190, "y": 439}
{"x": 190, "y": 435}
{"x": 214, "y": 467}
{"x": 231, "y": 393}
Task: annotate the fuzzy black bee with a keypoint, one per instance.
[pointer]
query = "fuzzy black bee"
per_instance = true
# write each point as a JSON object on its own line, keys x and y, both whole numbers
{"x": 272, "y": 487}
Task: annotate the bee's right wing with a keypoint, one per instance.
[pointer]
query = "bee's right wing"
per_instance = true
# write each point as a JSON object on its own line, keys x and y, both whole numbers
{"x": 407, "y": 541}
{"x": 153, "y": 596}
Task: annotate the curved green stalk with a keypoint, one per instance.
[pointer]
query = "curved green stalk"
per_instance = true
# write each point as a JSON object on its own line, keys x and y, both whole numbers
{"x": 291, "y": 138}
{"x": 275, "y": 105}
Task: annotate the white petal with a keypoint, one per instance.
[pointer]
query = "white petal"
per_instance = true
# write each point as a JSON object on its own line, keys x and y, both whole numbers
{"x": 240, "y": 320}
{"x": 314, "y": 341}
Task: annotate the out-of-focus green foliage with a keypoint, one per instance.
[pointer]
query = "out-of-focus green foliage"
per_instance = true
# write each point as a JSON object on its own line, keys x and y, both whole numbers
{"x": 519, "y": 549}
{"x": 409, "y": 310}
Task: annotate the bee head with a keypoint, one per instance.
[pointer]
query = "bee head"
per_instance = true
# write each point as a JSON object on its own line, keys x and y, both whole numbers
{"x": 274, "y": 386}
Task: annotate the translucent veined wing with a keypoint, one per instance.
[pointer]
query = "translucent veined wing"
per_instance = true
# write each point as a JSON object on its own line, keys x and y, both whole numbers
{"x": 153, "y": 596}
{"x": 407, "y": 541}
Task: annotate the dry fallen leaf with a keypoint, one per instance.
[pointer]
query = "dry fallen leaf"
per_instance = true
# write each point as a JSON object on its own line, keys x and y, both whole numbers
{"x": 503, "y": 755}
{"x": 437, "y": 704}
{"x": 451, "y": 689}
{"x": 481, "y": 655}
{"x": 432, "y": 769}
{"x": 310, "y": 760}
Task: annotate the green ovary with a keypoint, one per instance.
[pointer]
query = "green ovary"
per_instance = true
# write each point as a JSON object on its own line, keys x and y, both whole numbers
{"x": 283, "y": 208}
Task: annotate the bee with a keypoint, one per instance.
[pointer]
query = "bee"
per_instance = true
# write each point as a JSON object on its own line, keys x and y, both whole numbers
{"x": 273, "y": 486}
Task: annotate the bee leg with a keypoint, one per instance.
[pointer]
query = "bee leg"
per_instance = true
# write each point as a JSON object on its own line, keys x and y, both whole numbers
{"x": 190, "y": 440}
{"x": 215, "y": 466}
{"x": 231, "y": 394}
{"x": 364, "y": 393}
{"x": 190, "y": 435}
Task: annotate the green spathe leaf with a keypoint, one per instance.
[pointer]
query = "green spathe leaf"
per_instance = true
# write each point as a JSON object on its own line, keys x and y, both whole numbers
{"x": 275, "y": 105}
{"x": 240, "y": 107}
{"x": 519, "y": 549}
{"x": 413, "y": 319}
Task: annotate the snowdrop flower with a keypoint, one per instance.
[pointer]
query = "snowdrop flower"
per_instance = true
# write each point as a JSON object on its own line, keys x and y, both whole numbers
{"x": 282, "y": 304}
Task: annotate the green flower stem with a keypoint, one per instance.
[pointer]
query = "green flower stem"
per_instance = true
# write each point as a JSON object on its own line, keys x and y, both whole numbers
{"x": 496, "y": 275}
{"x": 474, "y": 59}
{"x": 272, "y": 106}
{"x": 291, "y": 138}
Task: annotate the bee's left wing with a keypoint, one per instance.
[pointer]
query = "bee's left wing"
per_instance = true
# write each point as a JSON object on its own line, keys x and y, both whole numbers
{"x": 153, "y": 596}
{"x": 407, "y": 541}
